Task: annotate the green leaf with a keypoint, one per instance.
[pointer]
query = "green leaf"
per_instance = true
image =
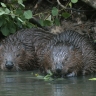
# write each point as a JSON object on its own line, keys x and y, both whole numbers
{"x": 12, "y": 30}
{"x": 65, "y": 15}
{"x": 41, "y": 22}
{"x": 1, "y": 21}
{"x": 47, "y": 23}
{"x": 92, "y": 79}
{"x": 19, "y": 24}
{"x": 18, "y": 12}
{"x": 12, "y": 14}
{"x": 57, "y": 22}
{"x": 3, "y": 5}
{"x": 7, "y": 18}
{"x": 49, "y": 18}
{"x": 7, "y": 11}
{"x": 70, "y": 4}
{"x": 48, "y": 76}
{"x": 49, "y": 72}
{"x": 74, "y": 1}
{"x": 28, "y": 14}
{"x": 5, "y": 31}
{"x": 21, "y": 3}
{"x": 11, "y": 26}
{"x": 2, "y": 11}
{"x": 29, "y": 25}
{"x": 54, "y": 11}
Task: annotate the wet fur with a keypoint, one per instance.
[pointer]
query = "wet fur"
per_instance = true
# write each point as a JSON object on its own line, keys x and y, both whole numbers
{"x": 23, "y": 43}
{"x": 15, "y": 51}
{"x": 71, "y": 52}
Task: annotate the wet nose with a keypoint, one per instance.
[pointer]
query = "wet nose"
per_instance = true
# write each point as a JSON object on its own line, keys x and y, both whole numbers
{"x": 9, "y": 65}
{"x": 58, "y": 69}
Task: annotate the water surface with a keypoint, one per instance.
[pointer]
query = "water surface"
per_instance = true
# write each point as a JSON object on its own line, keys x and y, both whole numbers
{"x": 23, "y": 84}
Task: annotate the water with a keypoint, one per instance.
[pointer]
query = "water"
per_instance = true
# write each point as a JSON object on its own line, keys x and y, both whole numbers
{"x": 23, "y": 84}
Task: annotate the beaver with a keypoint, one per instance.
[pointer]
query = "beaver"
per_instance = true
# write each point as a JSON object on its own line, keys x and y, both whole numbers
{"x": 14, "y": 56}
{"x": 69, "y": 54}
{"x": 18, "y": 51}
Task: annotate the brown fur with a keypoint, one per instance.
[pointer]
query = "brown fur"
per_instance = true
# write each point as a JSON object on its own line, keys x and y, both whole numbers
{"x": 16, "y": 53}
{"x": 69, "y": 52}
{"x": 20, "y": 48}
{"x": 66, "y": 59}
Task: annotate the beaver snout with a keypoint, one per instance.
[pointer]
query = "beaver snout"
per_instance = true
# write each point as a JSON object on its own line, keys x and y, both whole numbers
{"x": 58, "y": 69}
{"x": 9, "y": 65}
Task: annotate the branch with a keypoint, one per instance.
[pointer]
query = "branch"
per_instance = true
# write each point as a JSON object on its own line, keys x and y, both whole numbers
{"x": 61, "y": 4}
{"x": 77, "y": 10}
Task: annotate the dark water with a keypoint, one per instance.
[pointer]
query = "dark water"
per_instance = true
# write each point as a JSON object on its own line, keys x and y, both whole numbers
{"x": 22, "y": 84}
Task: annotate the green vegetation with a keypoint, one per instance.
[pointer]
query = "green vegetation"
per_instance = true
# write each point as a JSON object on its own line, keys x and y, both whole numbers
{"x": 14, "y": 16}
{"x": 48, "y": 77}
{"x": 92, "y": 79}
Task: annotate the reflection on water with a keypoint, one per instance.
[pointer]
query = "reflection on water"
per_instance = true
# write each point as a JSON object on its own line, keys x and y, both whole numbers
{"x": 21, "y": 84}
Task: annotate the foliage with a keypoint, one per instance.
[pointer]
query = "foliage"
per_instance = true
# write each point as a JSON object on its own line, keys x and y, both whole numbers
{"x": 92, "y": 79}
{"x": 53, "y": 16}
{"x": 47, "y": 77}
{"x": 74, "y": 1}
{"x": 14, "y": 16}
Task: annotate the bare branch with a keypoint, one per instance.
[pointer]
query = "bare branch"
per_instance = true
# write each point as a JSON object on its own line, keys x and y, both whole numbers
{"x": 61, "y": 4}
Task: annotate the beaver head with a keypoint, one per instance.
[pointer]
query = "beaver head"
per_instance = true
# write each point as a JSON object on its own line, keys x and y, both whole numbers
{"x": 65, "y": 60}
{"x": 14, "y": 57}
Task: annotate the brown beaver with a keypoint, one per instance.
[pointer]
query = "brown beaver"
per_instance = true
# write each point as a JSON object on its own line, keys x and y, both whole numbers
{"x": 18, "y": 51}
{"x": 14, "y": 57}
{"x": 68, "y": 54}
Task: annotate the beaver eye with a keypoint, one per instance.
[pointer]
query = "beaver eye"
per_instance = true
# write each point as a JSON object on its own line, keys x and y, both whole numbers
{"x": 18, "y": 55}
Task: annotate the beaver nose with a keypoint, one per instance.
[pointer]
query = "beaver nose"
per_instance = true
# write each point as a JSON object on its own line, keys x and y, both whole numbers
{"x": 9, "y": 65}
{"x": 58, "y": 69}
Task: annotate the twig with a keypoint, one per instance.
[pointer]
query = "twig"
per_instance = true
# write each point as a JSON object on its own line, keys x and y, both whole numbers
{"x": 36, "y": 6}
{"x": 77, "y": 10}
{"x": 39, "y": 1}
{"x": 61, "y": 4}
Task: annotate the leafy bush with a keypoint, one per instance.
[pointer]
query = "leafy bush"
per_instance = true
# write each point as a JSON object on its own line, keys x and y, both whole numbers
{"x": 55, "y": 14}
{"x": 13, "y": 17}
